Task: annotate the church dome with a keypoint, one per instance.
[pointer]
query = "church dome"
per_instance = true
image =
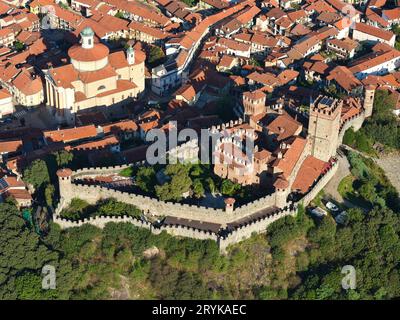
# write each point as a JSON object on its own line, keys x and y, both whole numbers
{"x": 88, "y": 56}
{"x": 87, "y": 32}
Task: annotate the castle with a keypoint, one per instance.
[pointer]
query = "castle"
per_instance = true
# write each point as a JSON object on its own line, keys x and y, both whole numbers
{"x": 287, "y": 168}
{"x": 283, "y": 150}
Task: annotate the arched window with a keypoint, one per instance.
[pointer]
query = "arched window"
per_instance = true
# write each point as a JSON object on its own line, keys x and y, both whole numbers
{"x": 101, "y": 88}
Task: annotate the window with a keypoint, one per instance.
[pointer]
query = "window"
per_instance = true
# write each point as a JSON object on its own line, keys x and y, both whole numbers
{"x": 102, "y": 87}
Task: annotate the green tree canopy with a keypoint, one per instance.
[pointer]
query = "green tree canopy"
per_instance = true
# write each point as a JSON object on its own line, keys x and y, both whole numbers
{"x": 37, "y": 174}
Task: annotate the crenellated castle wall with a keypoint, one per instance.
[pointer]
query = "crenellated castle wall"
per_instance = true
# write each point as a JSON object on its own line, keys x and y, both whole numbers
{"x": 254, "y": 227}
{"x": 355, "y": 121}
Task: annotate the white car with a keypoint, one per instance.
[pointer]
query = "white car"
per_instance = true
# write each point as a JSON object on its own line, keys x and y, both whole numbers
{"x": 331, "y": 206}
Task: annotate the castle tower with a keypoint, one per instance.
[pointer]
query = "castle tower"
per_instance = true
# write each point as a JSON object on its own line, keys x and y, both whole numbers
{"x": 323, "y": 126}
{"x": 130, "y": 55}
{"x": 229, "y": 204}
{"x": 369, "y": 95}
{"x": 281, "y": 192}
{"x": 254, "y": 102}
{"x": 64, "y": 182}
{"x": 87, "y": 36}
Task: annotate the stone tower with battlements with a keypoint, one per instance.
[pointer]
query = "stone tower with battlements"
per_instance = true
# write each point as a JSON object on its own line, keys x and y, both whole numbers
{"x": 369, "y": 96}
{"x": 64, "y": 181}
{"x": 323, "y": 127}
{"x": 254, "y": 102}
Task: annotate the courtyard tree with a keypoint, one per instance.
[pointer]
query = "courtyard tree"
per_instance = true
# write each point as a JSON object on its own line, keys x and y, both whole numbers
{"x": 178, "y": 184}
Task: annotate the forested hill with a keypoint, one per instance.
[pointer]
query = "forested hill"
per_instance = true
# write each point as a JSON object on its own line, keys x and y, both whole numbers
{"x": 298, "y": 258}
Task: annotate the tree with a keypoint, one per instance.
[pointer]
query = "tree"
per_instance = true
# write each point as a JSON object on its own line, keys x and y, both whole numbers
{"x": 119, "y": 15}
{"x": 37, "y": 174}
{"x": 229, "y": 188}
{"x": 63, "y": 158}
{"x": 190, "y": 3}
{"x": 156, "y": 56}
{"x": 146, "y": 179}
{"x": 21, "y": 253}
{"x": 49, "y": 194}
{"x": 349, "y": 137}
{"x": 179, "y": 183}
{"x": 112, "y": 207}
{"x": 19, "y": 46}
{"x": 198, "y": 188}
{"x": 211, "y": 185}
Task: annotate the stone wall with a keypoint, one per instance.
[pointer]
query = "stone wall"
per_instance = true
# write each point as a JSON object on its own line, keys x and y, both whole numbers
{"x": 100, "y": 221}
{"x": 92, "y": 172}
{"x": 254, "y": 227}
{"x": 152, "y": 206}
{"x": 148, "y": 205}
{"x": 321, "y": 183}
{"x": 356, "y": 122}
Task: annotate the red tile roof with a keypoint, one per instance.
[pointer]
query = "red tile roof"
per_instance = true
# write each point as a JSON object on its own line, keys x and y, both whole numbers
{"x": 71, "y": 134}
{"x": 373, "y": 31}
{"x": 309, "y": 172}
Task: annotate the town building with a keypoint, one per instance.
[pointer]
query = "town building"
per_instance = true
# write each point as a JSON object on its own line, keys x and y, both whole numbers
{"x": 94, "y": 78}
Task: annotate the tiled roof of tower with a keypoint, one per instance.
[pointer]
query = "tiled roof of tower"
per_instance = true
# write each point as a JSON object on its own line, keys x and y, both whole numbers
{"x": 254, "y": 95}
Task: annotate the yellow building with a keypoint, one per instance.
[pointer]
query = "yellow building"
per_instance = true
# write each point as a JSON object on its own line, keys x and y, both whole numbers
{"x": 94, "y": 78}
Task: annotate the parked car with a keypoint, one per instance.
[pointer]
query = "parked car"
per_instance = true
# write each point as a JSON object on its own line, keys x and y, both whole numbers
{"x": 331, "y": 206}
{"x": 341, "y": 217}
{"x": 318, "y": 212}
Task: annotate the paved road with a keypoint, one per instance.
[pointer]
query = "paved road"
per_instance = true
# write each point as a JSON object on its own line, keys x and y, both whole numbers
{"x": 331, "y": 189}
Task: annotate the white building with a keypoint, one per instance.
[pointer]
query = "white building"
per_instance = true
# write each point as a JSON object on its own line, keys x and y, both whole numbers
{"x": 6, "y": 103}
{"x": 384, "y": 61}
{"x": 364, "y": 32}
